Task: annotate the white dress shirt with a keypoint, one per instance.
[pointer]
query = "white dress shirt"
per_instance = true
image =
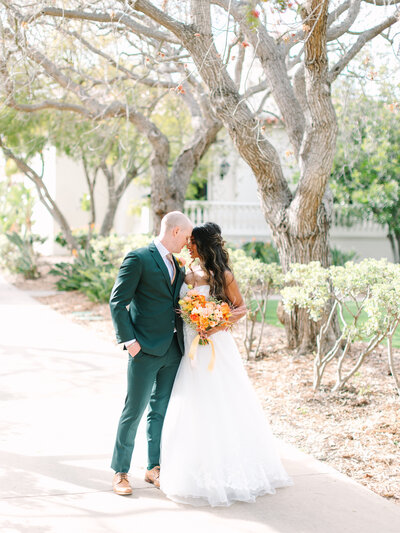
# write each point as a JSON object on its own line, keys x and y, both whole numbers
{"x": 163, "y": 252}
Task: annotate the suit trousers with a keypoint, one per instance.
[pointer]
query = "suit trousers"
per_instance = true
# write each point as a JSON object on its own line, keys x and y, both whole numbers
{"x": 150, "y": 381}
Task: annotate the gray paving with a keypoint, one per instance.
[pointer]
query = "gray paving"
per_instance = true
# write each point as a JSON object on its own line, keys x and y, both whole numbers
{"x": 62, "y": 389}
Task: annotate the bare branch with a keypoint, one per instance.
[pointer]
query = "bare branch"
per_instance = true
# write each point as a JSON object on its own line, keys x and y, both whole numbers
{"x": 117, "y": 17}
{"x": 358, "y": 45}
{"x": 338, "y": 11}
{"x": 239, "y": 66}
{"x": 256, "y": 89}
{"x": 272, "y": 59}
{"x": 382, "y": 2}
{"x": 143, "y": 80}
{"x": 336, "y": 31}
{"x": 168, "y": 22}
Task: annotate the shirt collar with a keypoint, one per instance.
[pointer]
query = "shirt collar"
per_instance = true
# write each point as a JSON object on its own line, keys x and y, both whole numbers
{"x": 161, "y": 248}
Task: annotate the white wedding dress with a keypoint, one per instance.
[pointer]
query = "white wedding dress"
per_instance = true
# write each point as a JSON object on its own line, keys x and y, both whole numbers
{"x": 216, "y": 445}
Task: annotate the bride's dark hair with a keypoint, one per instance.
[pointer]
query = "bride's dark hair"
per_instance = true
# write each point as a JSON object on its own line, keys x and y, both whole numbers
{"x": 214, "y": 256}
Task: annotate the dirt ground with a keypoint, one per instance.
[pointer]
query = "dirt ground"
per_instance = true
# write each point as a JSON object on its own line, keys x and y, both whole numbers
{"x": 356, "y": 430}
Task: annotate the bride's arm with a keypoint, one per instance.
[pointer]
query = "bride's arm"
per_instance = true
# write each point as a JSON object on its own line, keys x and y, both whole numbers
{"x": 232, "y": 291}
{"x": 239, "y": 309}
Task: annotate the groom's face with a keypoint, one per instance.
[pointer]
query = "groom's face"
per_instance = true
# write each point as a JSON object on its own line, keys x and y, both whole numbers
{"x": 181, "y": 237}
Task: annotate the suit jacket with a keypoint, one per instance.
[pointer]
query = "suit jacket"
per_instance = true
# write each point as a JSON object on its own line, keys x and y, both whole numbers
{"x": 143, "y": 302}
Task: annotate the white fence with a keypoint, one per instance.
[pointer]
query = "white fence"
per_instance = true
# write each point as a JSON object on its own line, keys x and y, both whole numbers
{"x": 241, "y": 222}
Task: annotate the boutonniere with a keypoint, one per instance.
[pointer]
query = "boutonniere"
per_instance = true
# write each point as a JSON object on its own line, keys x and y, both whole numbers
{"x": 181, "y": 261}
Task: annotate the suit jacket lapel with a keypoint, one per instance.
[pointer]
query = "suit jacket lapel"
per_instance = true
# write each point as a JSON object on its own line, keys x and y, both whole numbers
{"x": 163, "y": 267}
{"x": 178, "y": 278}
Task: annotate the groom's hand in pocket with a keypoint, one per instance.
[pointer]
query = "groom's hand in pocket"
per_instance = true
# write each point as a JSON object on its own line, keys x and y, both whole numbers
{"x": 134, "y": 348}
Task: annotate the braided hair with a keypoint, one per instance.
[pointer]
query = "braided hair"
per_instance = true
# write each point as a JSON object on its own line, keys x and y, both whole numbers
{"x": 214, "y": 256}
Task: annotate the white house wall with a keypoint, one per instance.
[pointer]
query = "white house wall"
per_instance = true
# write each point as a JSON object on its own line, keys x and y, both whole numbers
{"x": 66, "y": 182}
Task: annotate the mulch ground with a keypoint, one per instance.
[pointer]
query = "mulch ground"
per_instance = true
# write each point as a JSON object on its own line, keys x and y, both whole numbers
{"x": 356, "y": 430}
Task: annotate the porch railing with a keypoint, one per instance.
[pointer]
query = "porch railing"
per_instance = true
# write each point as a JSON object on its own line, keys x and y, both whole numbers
{"x": 240, "y": 220}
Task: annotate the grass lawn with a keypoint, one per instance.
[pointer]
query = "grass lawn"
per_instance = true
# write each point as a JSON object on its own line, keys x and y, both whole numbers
{"x": 272, "y": 319}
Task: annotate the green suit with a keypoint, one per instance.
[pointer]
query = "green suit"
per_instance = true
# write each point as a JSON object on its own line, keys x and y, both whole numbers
{"x": 143, "y": 306}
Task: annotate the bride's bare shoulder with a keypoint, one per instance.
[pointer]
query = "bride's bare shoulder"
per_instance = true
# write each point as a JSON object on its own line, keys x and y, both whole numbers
{"x": 195, "y": 277}
{"x": 189, "y": 278}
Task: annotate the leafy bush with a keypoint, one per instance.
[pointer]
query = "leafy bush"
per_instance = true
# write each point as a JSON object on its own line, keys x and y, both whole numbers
{"x": 264, "y": 251}
{"x": 81, "y": 237}
{"x": 374, "y": 286}
{"x": 339, "y": 258}
{"x": 267, "y": 253}
{"x": 24, "y": 259}
{"x": 17, "y": 241}
{"x": 93, "y": 271}
{"x": 256, "y": 280}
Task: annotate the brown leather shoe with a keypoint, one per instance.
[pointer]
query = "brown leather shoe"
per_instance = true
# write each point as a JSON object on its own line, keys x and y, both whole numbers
{"x": 153, "y": 476}
{"x": 121, "y": 484}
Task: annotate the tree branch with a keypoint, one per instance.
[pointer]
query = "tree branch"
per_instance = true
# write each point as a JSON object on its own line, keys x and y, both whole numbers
{"x": 358, "y": 45}
{"x": 143, "y": 80}
{"x": 272, "y": 59}
{"x": 168, "y": 22}
{"x": 114, "y": 17}
{"x": 339, "y": 29}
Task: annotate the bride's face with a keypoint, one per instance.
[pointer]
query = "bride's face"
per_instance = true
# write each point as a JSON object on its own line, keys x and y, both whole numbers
{"x": 192, "y": 248}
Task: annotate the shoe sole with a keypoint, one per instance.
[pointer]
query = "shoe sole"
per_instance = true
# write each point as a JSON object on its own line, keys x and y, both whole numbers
{"x": 122, "y": 493}
{"x": 152, "y": 482}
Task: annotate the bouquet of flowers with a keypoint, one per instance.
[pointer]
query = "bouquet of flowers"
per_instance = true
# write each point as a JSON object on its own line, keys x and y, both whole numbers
{"x": 203, "y": 314}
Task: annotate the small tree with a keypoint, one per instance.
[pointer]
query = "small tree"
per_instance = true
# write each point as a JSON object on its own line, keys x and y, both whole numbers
{"x": 256, "y": 281}
{"x": 368, "y": 291}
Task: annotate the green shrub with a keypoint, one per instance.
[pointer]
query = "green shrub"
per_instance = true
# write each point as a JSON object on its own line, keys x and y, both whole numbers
{"x": 93, "y": 271}
{"x": 267, "y": 253}
{"x": 81, "y": 237}
{"x": 339, "y": 258}
{"x": 19, "y": 256}
{"x": 17, "y": 241}
{"x": 371, "y": 287}
{"x": 264, "y": 251}
{"x": 256, "y": 281}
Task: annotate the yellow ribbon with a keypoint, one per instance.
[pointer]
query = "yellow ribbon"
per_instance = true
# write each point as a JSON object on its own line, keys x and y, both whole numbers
{"x": 193, "y": 350}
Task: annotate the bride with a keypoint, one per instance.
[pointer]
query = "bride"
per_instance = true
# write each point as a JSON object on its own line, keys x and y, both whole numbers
{"x": 216, "y": 445}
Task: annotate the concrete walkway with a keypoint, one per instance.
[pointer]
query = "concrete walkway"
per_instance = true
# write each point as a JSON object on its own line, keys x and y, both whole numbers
{"x": 62, "y": 390}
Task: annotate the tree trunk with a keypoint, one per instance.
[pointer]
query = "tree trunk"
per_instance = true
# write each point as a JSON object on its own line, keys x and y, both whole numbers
{"x": 114, "y": 194}
{"x": 296, "y": 246}
{"x": 168, "y": 191}
{"x": 397, "y": 255}
{"x": 108, "y": 220}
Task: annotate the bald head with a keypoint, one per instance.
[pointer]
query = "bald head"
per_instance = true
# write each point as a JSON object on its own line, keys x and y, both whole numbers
{"x": 175, "y": 230}
{"x": 174, "y": 219}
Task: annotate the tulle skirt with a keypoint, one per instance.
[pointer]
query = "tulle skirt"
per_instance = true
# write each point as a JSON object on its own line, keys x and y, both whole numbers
{"x": 216, "y": 445}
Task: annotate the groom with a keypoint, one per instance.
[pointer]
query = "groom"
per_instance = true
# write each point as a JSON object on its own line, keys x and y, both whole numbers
{"x": 148, "y": 282}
